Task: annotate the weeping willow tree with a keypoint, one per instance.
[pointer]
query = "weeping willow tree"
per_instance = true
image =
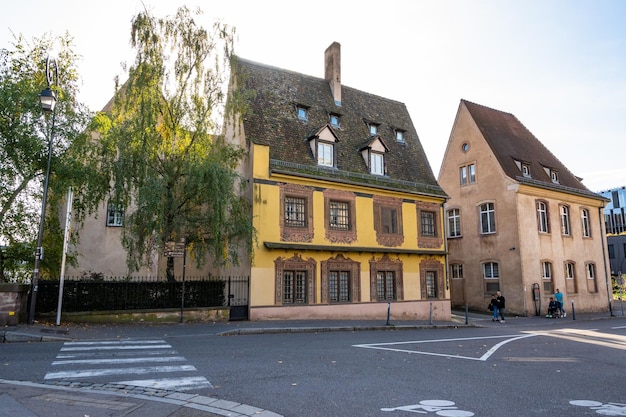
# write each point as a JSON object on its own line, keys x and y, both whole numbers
{"x": 25, "y": 132}
{"x": 168, "y": 168}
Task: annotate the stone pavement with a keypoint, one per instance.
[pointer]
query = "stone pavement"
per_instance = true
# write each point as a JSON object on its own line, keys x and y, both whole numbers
{"x": 30, "y": 399}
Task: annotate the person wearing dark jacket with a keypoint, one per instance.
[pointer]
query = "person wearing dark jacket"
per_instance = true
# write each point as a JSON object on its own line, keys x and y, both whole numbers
{"x": 493, "y": 306}
{"x": 501, "y": 305}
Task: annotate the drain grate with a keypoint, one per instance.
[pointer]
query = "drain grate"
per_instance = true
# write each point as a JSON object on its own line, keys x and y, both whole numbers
{"x": 85, "y": 401}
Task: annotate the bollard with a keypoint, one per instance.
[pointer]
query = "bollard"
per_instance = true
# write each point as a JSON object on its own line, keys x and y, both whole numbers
{"x": 573, "y": 311}
{"x": 466, "y": 314}
{"x": 388, "y": 312}
{"x": 431, "y": 314}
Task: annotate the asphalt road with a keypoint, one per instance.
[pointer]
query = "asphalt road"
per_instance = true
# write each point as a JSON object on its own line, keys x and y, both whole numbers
{"x": 569, "y": 369}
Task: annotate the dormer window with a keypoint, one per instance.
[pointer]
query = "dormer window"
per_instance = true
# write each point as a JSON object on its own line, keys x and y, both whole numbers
{"x": 524, "y": 167}
{"x": 553, "y": 174}
{"x": 323, "y": 146}
{"x": 399, "y": 136}
{"x": 377, "y": 163}
{"x": 334, "y": 120}
{"x": 373, "y": 127}
{"x": 325, "y": 154}
{"x": 373, "y": 152}
{"x": 303, "y": 113}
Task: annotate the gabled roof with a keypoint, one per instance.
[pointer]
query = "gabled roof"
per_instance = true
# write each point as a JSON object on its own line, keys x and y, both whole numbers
{"x": 511, "y": 141}
{"x": 271, "y": 120}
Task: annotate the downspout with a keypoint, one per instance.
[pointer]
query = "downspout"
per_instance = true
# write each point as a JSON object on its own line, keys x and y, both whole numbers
{"x": 606, "y": 274}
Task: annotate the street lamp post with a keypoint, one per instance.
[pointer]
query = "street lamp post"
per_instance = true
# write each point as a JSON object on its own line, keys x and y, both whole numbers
{"x": 48, "y": 101}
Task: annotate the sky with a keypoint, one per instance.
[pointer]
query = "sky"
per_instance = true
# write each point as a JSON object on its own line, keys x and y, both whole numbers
{"x": 559, "y": 66}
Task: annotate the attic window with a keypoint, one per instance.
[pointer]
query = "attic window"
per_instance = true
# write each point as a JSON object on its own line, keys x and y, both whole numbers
{"x": 303, "y": 113}
{"x": 400, "y": 135}
{"x": 373, "y": 127}
{"x": 526, "y": 170}
{"x": 553, "y": 174}
{"x": 373, "y": 154}
{"x": 334, "y": 120}
{"x": 377, "y": 163}
{"x": 325, "y": 154}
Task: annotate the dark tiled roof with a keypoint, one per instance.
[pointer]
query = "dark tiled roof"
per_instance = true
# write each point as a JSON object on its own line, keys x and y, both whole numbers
{"x": 271, "y": 120}
{"x": 510, "y": 140}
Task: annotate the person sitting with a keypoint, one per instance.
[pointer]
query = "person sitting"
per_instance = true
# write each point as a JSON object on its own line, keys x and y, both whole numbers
{"x": 553, "y": 308}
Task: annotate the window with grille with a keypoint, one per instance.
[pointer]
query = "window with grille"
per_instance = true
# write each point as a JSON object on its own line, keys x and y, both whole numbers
{"x": 431, "y": 284}
{"x": 542, "y": 217}
{"x": 339, "y": 286}
{"x": 115, "y": 215}
{"x": 487, "y": 218}
{"x": 428, "y": 223}
{"x": 454, "y": 223}
{"x": 385, "y": 285}
{"x": 295, "y": 212}
{"x": 294, "y": 287}
{"x": 339, "y": 218}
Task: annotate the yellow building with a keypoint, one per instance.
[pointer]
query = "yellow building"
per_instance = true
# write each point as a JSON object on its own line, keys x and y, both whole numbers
{"x": 518, "y": 220}
{"x": 348, "y": 212}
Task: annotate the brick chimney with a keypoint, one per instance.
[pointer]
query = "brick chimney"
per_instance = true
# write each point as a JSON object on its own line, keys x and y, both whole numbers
{"x": 332, "y": 70}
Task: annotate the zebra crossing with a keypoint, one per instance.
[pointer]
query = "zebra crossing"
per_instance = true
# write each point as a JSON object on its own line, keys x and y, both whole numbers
{"x": 106, "y": 361}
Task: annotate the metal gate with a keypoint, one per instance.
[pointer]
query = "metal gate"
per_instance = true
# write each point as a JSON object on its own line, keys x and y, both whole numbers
{"x": 238, "y": 290}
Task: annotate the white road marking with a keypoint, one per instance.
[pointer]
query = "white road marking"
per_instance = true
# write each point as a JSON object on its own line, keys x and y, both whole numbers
{"x": 86, "y": 373}
{"x": 381, "y": 346}
{"x": 113, "y": 355}
{"x": 179, "y": 384}
{"x": 120, "y": 361}
{"x": 119, "y": 347}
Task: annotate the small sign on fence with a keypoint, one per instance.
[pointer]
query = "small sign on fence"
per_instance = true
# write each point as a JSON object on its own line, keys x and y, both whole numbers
{"x": 174, "y": 250}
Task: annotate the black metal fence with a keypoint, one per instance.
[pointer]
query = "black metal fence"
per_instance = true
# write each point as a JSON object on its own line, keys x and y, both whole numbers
{"x": 141, "y": 293}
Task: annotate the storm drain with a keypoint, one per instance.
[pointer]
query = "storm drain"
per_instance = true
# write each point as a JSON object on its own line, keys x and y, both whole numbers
{"x": 89, "y": 402}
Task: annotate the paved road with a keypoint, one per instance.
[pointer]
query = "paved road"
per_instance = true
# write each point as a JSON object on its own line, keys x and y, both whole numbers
{"x": 532, "y": 366}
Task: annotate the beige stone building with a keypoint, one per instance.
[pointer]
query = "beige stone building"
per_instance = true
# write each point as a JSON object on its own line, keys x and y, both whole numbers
{"x": 518, "y": 220}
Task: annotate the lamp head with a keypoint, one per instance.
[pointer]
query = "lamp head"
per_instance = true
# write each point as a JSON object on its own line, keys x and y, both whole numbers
{"x": 48, "y": 99}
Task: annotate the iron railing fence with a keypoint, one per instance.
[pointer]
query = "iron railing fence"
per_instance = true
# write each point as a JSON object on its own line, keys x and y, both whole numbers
{"x": 141, "y": 293}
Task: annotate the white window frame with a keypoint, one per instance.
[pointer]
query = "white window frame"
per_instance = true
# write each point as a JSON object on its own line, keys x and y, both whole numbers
{"x": 115, "y": 215}
{"x": 454, "y": 222}
{"x": 543, "y": 222}
{"x": 566, "y": 228}
{"x": 487, "y": 218}
{"x": 377, "y": 163}
{"x": 456, "y": 270}
{"x": 586, "y": 222}
{"x": 325, "y": 154}
{"x": 491, "y": 270}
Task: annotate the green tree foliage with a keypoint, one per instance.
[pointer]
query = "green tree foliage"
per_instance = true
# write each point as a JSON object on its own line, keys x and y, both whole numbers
{"x": 24, "y": 134}
{"x": 175, "y": 178}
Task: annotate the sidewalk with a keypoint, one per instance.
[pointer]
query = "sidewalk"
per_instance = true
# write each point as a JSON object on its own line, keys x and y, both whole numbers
{"x": 28, "y": 399}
